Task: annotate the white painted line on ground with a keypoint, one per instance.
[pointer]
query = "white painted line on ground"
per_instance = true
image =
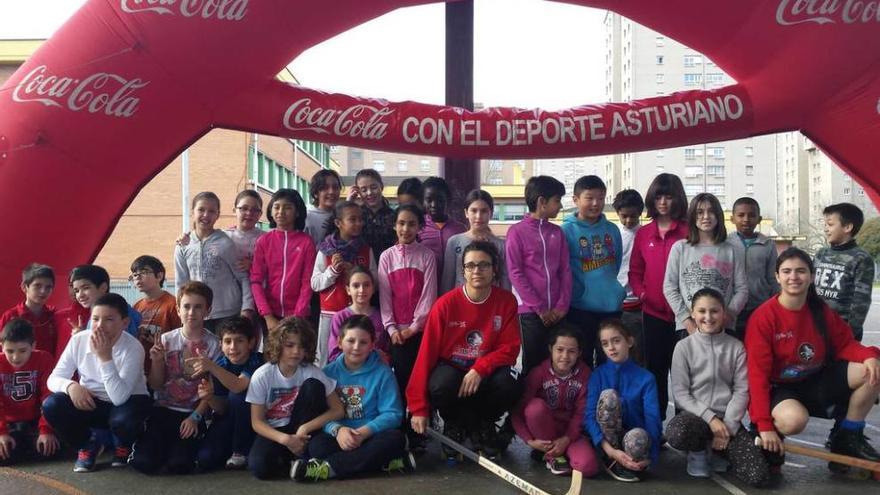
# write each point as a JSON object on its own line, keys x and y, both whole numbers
{"x": 805, "y": 442}
{"x": 730, "y": 487}
{"x": 801, "y": 466}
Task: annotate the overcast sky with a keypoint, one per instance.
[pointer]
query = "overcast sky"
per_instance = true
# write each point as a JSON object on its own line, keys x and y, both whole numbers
{"x": 528, "y": 53}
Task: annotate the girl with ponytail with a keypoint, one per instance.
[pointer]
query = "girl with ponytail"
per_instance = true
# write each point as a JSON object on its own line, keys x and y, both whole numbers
{"x": 803, "y": 361}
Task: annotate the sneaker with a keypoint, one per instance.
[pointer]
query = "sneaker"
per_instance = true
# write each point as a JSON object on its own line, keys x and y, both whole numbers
{"x": 559, "y": 466}
{"x": 853, "y": 444}
{"x": 454, "y": 432}
{"x": 619, "y": 472}
{"x": 120, "y": 457}
{"x": 698, "y": 464}
{"x": 311, "y": 470}
{"x": 404, "y": 464}
{"x": 86, "y": 457}
{"x": 236, "y": 461}
{"x": 487, "y": 435}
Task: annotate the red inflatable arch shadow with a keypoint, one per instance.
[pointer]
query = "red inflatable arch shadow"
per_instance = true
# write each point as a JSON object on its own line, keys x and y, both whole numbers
{"x": 146, "y": 78}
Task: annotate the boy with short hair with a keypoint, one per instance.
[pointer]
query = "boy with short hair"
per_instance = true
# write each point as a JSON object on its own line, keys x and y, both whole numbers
{"x": 760, "y": 257}
{"x": 23, "y": 374}
{"x": 230, "y": 436}
{"x": 111, "y": 391}
{"x": 439, "y": 226}
{"x": 537, "y": 265}
{"x": 595, "y": 253}
{"x": 845, "y": 271}
{"x": 88, "y": 283}
{"x": 176, "y": 419}
{"x": 629, "y": 206}
{"x": 158, "y": 309}
{"x": 37, "y": 283}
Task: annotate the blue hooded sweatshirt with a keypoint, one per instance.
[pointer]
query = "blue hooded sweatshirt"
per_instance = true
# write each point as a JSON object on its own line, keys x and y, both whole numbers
{"x": 595, "y": 252}
{"x": 369, "y": 395}
{"x": 637, "y": 390}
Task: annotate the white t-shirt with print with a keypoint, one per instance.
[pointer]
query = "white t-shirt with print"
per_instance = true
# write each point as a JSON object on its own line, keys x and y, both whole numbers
{"x": 277, "y": 393}
{"x": 181, "y": 391}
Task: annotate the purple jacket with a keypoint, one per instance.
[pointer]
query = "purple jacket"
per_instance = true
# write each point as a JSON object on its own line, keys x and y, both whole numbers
{"x": 537, "y": 265}
{"x": 435, "y": 238}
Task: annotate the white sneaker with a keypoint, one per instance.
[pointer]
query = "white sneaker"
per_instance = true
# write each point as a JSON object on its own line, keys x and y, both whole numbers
{"x": 236, "y": 461}
{"x": 698, "y": 464}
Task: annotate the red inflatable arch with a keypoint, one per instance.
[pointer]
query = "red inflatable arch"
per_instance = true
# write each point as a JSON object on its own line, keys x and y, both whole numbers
{"x": 147, "y": 78}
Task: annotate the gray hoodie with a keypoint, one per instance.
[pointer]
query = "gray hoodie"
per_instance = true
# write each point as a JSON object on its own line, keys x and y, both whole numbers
{"x": 213, "y": 261}
{"x": 709, "y": 378}
{"x": 691, "y": 268}
{"x": 317, "y": 223}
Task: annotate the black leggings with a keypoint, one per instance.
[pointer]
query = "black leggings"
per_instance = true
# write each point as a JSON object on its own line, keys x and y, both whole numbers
{"x": 690, "y": 433}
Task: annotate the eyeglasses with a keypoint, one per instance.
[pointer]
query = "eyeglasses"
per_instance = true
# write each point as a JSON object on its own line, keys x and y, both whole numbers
{"x": 472, "y": 267}
{"x": 139, "y": 274}
{"x": 248, "y": 209}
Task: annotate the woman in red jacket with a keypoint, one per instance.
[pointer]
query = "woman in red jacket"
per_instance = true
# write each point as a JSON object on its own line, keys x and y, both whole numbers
{"x": 469, "y": 343}
{"x": 667, "y": 206}
{"x": 803, "y": 361}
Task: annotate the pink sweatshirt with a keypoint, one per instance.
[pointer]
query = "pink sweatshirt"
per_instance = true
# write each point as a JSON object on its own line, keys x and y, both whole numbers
{"x": 566, "y": 396}
{"x": 281, "y": 273}
{"x": 647, "y": 266}
{"x": 407, "y": 286}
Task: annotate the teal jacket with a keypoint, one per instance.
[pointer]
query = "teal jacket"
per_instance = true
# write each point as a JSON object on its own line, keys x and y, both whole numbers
{"x": 595, "y": 254}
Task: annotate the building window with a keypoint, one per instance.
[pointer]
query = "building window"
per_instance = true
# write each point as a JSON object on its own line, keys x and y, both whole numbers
{"x": 716, "y": 170}
{"x": 716, "y": 78}
{"x": 692, "y": 60}
{"x": 693, "y": 79}
{"x": 379, "y": 165}
{"x": 861, "y": 192}
{"x": 750, "y": 170}
{"x": 846, "y": 191}
{"x": 660, "y": 40}
{"x": 750, "y": 188}
{"x": 693, "y": 189}
{"x": 659, "y": 59}
{"x": 716, "y": 189}
{"x": 495, "y": 181}
{"x": 750, "y": 151}
{"x": 425, "y": 165}
{"x": 660, "y": 168}
{"x": 660, "y": 153}
{"x": 693, "y": 171}
{"x": 402, "y": 166}
{"x": 690, "y": 153}
{"x": 659, "y": 78}
{"x": 715, "y": 152}
{"x": 514, "y": 212}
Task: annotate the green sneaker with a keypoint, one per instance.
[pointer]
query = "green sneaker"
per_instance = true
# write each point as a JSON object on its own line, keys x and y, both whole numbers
{"x": 404, "y": 464}
{"x": 311, "y": 470}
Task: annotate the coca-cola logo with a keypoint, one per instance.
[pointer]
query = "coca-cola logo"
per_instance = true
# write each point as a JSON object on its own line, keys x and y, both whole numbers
{"x": 793, "y": 12}
{"x": 225, "y": 10}
{"x": 357, "y": 121}
{"x": 101, "y": 92}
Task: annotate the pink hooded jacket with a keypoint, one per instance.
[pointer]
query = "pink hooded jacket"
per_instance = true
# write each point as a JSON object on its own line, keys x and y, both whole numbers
{"x": 281, "y": 273}
{"x": 407, "y": 286}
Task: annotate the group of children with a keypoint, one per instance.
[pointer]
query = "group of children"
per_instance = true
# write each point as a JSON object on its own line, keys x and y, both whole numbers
{"x": 300, "y": 350}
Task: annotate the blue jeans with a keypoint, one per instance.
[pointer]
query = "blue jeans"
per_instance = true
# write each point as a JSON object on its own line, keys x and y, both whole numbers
{"x": 72, "y": 425}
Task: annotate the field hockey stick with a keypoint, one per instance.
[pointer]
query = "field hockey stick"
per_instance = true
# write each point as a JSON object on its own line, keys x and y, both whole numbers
{"x": 521, "y": 484}
{"x": 828, "y": 456}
